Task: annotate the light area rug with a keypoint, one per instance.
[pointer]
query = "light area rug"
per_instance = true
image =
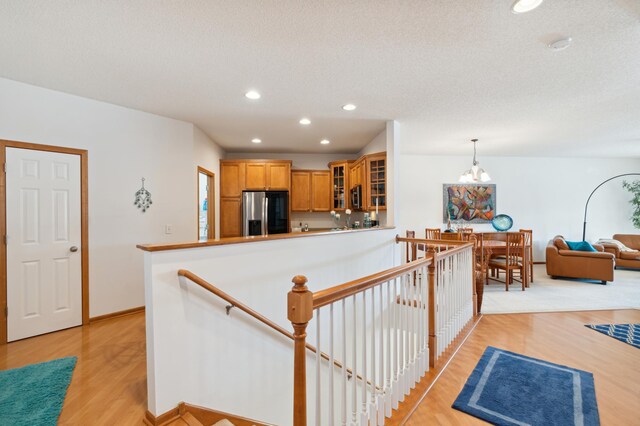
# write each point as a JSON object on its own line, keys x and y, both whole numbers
{"x": 548, "y": 295}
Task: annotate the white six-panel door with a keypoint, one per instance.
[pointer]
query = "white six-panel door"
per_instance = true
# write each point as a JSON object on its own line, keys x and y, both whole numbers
{"x": 44, "y": 269}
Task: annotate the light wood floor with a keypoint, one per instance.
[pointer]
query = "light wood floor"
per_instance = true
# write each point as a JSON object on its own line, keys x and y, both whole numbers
{"x": 556, "y": 337}
{"x": 109, "y": 382}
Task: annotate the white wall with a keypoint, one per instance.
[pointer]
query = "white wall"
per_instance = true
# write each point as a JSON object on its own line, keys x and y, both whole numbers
{"x": 299, "y": 161}
{"x": 378, "y": 144}
{"x": 236, "y": 364}
{"x": 543, "y": 194}
{"x": 124, "y": 145}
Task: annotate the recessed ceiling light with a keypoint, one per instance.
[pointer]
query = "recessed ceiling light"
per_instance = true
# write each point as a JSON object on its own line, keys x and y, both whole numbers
{"x": 256, "y": 140}
{"x": 349, "y": 107}
{"x": 305, "y": 121}
{"x": 252, "y": 94}
{"x": 559, "y": 45}
{"x": 325, "y": 142}
{"x": 523, "y": 6}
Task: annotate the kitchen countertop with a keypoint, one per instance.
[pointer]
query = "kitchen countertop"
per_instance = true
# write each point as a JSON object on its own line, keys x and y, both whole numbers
{"x": 241, "y": 240}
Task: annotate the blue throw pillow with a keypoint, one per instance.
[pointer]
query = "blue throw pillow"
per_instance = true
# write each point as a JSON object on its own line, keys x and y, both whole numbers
{"x": 580, "y": 246}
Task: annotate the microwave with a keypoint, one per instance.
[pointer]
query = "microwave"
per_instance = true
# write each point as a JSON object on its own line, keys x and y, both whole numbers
{"x": 356, "y": 197}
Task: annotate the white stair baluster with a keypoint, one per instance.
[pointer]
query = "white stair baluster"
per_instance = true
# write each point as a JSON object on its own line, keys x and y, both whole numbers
{"x": 331, "y": 366}
{"x": 318, "y": 365}
{"x": 354, "y": 374}
{"x": 363, "y": 412}
{"x": 343, "y": 395}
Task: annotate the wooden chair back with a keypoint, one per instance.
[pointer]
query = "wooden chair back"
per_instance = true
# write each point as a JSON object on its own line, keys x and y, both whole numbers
{"x": 465, "y": 230}
{"x": 432, "y": 233}
{"x": 451, "y": 236}
{"x": 528, "y": 245}
{"x": 515, "y": 248}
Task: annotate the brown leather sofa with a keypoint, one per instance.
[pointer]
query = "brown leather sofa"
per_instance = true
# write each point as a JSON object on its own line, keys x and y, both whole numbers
{"x": 563, "y": 262}
{"x": 625, "y": 259}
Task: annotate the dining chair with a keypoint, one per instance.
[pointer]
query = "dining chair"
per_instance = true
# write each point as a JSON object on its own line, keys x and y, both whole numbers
{"x": 528, "y": 245}
{"x": 513, "y": 260}
{"x": 411, "y": 247}
{"x": 465, "y": 230}
{"x": 432, "y": 233}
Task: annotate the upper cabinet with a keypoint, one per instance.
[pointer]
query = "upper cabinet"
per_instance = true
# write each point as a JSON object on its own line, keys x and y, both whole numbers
{"x": 340, "y": 185}
{"x": 310, "y": 191}
{"x": 256, "y": 176}
{"x": 278, "y": 175}
{"x": 320, "y": 191}
{"x": 300, "y": 191}
{"x": 268, "y": 175}
{"x": 356, "y": 173}
{"x": 376, "y": 174}
{"x": 263, "y": 175}
{"x": 232, "y": 178}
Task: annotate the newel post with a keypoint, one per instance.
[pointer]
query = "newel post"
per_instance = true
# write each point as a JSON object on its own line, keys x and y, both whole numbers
{"x": 432, "y": 307}
{"x": 299, "y": 312}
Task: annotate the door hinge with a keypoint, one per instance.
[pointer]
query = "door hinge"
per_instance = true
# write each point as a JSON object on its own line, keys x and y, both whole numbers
{"x": 4, "y": 239}
{"x": 4, "y": 167}
{"x": 6, "y": 312}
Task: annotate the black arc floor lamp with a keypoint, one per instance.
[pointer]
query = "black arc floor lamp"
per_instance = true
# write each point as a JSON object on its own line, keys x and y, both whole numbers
{"x": 586, "y": 206}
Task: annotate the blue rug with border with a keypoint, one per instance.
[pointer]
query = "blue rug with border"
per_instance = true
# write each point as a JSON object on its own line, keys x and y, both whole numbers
{"x": 627, "y": 333}
{"x": 507, "y": 389}
{"x": 33, "y": 395}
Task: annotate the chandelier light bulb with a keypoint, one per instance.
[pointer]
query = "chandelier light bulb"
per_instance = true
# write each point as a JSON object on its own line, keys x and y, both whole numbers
{"x": 476, "y": 173}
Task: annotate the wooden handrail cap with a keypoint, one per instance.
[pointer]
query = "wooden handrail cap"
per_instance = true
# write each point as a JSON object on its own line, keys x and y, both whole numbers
{"x": 299, "y": 282}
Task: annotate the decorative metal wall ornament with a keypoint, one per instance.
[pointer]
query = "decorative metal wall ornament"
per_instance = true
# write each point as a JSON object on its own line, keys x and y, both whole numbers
{"x": 143, "y": 198}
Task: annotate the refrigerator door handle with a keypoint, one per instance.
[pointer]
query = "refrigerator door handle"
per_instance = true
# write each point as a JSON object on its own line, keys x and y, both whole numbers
{"x": 265, "y": 217}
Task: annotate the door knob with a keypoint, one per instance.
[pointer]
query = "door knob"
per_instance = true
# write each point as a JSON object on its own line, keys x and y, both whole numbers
{"x": 73, "y": 249}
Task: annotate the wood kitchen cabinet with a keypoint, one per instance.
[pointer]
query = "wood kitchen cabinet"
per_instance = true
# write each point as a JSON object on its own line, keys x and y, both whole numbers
{"x": 376, "y": 181}
{"x": 269, "y": 175}
{"x": 320, "y": 191}
{"x": 232, "y": 179}
{"x": 310, "y": 191}
{"x": 300, "y": 191}
{"x": 247, "y": 175}
{"x": 356, "y": 173}
{"x": 278, "y": 176}
{"x": 340, "y": 185}
{"x": 230, "y": 217}
{"x": 256, "y": 176}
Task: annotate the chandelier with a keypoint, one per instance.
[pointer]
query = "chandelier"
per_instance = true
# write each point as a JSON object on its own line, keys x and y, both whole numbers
{"x": 475, "y": 173}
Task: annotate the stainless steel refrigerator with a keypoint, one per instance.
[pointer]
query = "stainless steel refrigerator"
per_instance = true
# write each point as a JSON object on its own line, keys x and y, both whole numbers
{"x": 265, "y": 212}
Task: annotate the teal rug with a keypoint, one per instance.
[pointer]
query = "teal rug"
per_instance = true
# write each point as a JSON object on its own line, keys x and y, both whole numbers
{"x": 33, "y": 395}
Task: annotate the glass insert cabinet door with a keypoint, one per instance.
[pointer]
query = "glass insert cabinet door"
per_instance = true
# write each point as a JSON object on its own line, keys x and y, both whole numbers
{"x": 377, "y": 182}
{"x": 339, "y": 183}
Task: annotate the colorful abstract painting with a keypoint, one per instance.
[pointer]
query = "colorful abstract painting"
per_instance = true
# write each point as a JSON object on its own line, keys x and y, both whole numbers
{"x": 469, "y": 203}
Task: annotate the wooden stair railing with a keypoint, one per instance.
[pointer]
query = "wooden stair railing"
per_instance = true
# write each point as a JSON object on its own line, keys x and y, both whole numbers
{"x": 301, "y": 306}
{"x": 244, "y": 308}
{"x": 406, "y": 317}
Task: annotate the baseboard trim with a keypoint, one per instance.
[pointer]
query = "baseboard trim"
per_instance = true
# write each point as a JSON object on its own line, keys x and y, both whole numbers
{"x": 202, "y": 414}
{"x": 117, "y": 314}
{"x": 209, "y": 416}
{"x": 151, "y": 420}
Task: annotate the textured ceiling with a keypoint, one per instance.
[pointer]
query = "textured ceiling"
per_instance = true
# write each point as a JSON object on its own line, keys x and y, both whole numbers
{"x": 446, "y": 70}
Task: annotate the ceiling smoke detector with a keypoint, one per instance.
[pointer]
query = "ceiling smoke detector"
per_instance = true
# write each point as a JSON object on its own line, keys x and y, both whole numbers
{"x": 524, "y": 6}
{"x": 559, "y": 45}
